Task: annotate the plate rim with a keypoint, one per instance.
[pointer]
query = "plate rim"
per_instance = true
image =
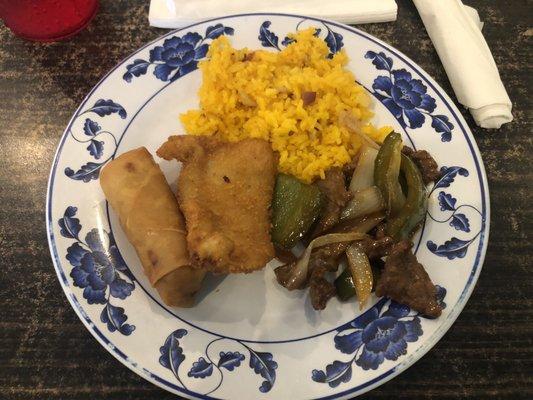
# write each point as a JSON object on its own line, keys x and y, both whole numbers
{"x": 349, "y": 392}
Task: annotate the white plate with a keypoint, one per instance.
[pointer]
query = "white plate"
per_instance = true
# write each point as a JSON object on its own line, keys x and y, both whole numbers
{"x": 249, "y": 338}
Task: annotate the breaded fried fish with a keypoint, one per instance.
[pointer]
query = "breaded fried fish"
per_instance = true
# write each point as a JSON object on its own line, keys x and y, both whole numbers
{"x": 224, "y": 191}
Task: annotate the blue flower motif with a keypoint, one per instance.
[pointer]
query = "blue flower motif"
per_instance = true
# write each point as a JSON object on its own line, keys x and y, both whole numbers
{"x": 177, "y": 56}
{"x": 94, "y": 271}
{"x": 92, "y": 129}
{"x": 454, "y": 247}
{"x": 99, "y": 270}
{"x": 387, "y": 337}
{"x": 333, "y": 40}
{"x": 380, "y": 334}
{"x": 93, "y": 275}
{"x": 261, "y": 363}
{"x": 405, "y": 97}
{"x": 91, "y": 170}
{"x": 441, "y": 294}
{"x": 288, "y": 40}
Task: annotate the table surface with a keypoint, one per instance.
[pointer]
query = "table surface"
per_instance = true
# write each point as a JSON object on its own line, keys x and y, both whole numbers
{"x": 46, "y": 353}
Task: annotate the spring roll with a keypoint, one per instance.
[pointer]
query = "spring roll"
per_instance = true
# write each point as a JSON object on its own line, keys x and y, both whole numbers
{"x": 148, "y": 212}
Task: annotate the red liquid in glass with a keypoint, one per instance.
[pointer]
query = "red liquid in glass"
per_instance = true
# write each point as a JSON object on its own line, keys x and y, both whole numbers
{"x": 47, "y": 20}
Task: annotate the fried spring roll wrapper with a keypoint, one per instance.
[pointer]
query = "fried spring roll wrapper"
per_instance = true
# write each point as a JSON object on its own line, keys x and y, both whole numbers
{"x": 148, "y": 212}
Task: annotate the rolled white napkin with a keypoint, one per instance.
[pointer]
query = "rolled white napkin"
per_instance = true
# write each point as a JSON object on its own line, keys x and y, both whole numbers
{"x": 456, "y": 34}
{"x": 178, "y": 13}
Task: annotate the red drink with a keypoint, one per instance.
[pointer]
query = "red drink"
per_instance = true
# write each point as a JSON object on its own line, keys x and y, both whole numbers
{"x": 47, "y": 20}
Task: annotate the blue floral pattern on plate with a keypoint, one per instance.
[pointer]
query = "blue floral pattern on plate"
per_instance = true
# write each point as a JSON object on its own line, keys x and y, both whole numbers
{"x": 406, "y": 97}
{"x": 270, "y": 39}
{"x": 380, "y": 334}
{"x": 99, "y": 270}
{"x": 178, "y": 55}
{"x": 455, "y": 247}
{"x": 172, "y": 356}
{"x": 92, "y": 130}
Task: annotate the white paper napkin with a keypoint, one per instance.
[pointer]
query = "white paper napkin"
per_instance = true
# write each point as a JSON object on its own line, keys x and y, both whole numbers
{"x": 456, "y": 34}
{"x": 178, "y": 13}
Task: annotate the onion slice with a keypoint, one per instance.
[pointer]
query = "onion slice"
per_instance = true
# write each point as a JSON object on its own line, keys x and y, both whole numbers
{"x": 363, "y": 175}
{"x": 361, "y": 224}
{"x": 364, "y": 202}
{"x": 300, "y": 269}
{"x": 350, "y": 122}
{"x": 361, "y": 272}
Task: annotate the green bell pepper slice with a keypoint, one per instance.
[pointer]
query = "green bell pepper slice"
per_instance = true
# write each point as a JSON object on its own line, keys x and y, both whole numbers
{"x": 295, "y": 207}
{"x": 387, "y": 171}
{"x": 413, "y": 211}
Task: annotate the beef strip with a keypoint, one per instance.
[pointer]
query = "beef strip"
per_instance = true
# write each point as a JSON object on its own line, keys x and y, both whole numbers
{"x": 377, "y": 248}
{"x": 380, "y": 231}
{"x": 349, "y": 168}
{"x": 320, "y": 289}
{"x": 377, "y": 244}
{"x": 326, "y": 259}
{"x": 284, "y": 273}
{"x": 406, "y": 281}
{"x": 328, "y": 256}
{"x": 333, "y": 187}
{"x": 323, "y": 259}
{"x": 425, "y": 162}
{"x": 377, "y": 265}
{"x": 285, "y": 256}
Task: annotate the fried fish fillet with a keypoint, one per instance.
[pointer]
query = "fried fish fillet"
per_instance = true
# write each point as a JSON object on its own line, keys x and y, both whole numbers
{"x": 224, "y": 191}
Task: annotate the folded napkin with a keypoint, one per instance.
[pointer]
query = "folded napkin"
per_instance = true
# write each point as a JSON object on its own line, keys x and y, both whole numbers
{"x": 456, "y": 34}
{"x": 178, "y": 13}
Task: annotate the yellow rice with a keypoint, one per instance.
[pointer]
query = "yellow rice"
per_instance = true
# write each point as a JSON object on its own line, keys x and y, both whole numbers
{"x": 261, "y": 97}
